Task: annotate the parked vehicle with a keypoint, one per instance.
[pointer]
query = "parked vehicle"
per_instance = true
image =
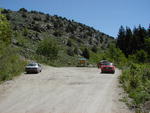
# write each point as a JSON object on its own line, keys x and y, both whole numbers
{"x": 108, "y": 68}
{"x": 33, "y": 68}
{"x": 102, "y": 62}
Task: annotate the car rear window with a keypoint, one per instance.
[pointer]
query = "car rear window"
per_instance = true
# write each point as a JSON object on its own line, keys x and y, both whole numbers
{"x": 107, "y": 64}
{"x": 31, "y": 64}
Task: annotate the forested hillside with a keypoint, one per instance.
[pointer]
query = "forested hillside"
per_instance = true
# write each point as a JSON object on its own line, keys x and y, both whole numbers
{"x": 136, "y": 41}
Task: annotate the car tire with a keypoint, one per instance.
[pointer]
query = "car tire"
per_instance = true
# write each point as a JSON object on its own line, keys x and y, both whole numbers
{"x": 37, "y": 71}
{"x": 113, "y": 72}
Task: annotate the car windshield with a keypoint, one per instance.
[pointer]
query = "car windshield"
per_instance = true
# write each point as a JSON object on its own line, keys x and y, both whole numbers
{"x": 107, "y": 64}
{"x": 32, "y": 64}
{"x": 103, "y": 61}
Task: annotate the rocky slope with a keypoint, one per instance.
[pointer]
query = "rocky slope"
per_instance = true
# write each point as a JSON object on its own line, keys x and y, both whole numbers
{"x": 31, "y": 27}
{"x": 37, "y": 25}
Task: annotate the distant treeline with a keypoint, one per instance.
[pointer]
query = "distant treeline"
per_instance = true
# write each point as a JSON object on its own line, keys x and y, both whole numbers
{"x": 136, "y": 41}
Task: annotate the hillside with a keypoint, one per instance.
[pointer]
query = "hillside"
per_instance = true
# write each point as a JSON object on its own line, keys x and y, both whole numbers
{"x": 30, "y": 27}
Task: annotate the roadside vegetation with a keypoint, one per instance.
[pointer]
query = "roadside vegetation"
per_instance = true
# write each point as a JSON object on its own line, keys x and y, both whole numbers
{"x": 136, "y": 82}
{"x": 135, "y": 78}
{"x": 10, "y": 62}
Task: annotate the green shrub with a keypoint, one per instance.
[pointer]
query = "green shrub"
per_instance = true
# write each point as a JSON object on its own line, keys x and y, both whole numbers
{"x": 96, "y": 57}
{"x": 70, "y": 52}
{"x": 141, "y": 56}
{"x": 48, "y": 48}
{"x": 94, "y": 49}
{"x": 5, "y": 30}
{"x": 25, "y": 31}
{"x": 116, "y": 56}
{"x": 136, "y": 81}
{"x": 11, "y": 64}
{"x": 58, "y": 33}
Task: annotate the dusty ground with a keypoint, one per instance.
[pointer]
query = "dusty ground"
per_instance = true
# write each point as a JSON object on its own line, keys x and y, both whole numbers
{"x": 62, "y": 90}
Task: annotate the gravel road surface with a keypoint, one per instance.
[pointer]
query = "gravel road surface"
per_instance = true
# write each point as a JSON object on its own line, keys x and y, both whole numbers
{"x": 63, "y": 90}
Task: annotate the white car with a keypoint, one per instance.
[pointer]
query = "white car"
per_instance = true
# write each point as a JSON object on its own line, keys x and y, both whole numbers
{"x": 33, "y": 68}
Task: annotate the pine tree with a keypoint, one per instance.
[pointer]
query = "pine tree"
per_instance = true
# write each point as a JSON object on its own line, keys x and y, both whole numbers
{"x": 128, "y": 41}
{"x": 86, "y": 53}
{"x": 121, "y": 39}
{"x": 148, "y": 31}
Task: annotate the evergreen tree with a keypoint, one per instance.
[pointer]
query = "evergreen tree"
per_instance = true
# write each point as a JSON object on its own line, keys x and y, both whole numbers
{"x": 86, "y": 53}
{"x": 128, "y": 42}
{"x": 141, "y": 36}
{"x": 76, "y": 50}
{"x": 69, "y": 43}
{"x": 148, "y": 31}
{"x": 147, "y": 45}
{"x": 94, "y": 49}
{"x": 23, "y": 10}
{"x": 121, "y": 39}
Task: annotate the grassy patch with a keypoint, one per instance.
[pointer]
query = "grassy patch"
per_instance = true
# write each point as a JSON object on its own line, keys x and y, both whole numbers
{"x": 11, "y": 64}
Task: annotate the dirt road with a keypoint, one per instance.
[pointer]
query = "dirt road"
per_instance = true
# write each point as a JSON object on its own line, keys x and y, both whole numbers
{"x": 62, "y": 90}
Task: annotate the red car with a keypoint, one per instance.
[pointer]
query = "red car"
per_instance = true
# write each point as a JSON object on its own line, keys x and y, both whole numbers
{"x": 108, "y": 68}
{"x": 102, "y": 62}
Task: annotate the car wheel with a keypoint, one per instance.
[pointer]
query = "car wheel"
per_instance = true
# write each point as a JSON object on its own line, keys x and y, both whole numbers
{"x": 37, "y": 71}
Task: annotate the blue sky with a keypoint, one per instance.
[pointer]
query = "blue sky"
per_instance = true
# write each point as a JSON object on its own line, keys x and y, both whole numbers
{"x": 104, "y": 15}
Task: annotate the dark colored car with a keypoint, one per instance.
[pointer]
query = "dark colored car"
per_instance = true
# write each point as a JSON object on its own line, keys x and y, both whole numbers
{"x": 33, "y": 68}
{"x": 108, "y": 68}
{"x": 102, "y": 62}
